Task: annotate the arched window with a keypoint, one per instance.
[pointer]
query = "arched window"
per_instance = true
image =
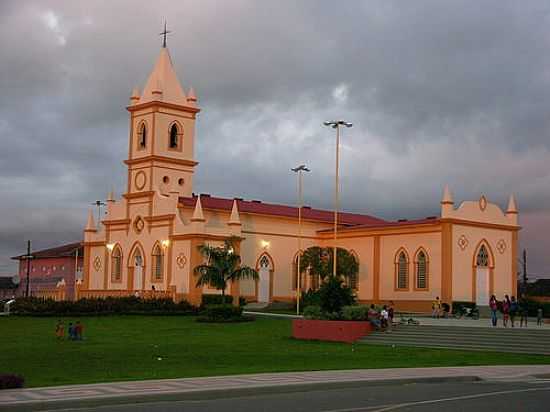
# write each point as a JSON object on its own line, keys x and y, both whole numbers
{"x": 142, "y": 136}
{"x": 402, "y": 265}
{"x": 264, "y": 262}
{"x": 116, "y": 264}
{"x": 174, "y": 137}
{"x": 482, "y": 258}
{"x": 353, "y": 281}
{"x": 421, "y": 270}
{"x": 158, "y": 263}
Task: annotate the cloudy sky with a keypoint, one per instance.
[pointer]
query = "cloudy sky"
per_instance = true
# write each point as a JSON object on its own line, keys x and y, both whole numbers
{"x": 453, "y": 92}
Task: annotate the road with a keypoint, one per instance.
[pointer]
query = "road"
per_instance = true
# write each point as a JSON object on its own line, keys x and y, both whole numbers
{"x": 533, "y": 396}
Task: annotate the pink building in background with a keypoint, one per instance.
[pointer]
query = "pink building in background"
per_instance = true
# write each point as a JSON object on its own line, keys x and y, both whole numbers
{"x": 50, "y": 270}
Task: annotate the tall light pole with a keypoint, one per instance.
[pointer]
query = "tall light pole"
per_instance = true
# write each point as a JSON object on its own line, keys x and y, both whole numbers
{"x": 336, "y": 124}
{"x": 299, "y": 170}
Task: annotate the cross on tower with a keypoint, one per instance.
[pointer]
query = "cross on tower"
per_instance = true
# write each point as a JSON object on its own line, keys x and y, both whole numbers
{"x": 164, "y": 33}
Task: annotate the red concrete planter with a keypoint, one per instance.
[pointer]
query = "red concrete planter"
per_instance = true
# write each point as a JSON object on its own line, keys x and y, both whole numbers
{"x": 330, "y": 330}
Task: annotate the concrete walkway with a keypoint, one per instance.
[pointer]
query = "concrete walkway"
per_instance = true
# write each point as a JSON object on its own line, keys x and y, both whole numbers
{"x": 248, "y": 384}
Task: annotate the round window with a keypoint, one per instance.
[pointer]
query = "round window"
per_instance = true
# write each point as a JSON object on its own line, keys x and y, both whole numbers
{"x": 181, "y": 181}
{"x": 165, "y": 179}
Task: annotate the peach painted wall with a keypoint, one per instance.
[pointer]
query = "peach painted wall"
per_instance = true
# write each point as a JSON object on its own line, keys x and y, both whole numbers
{"x": 364, "y": 248}
{"x": 389, "y": 245}
{"x": 463, "y": 260}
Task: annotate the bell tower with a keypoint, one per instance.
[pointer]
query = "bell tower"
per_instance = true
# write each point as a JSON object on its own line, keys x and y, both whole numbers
{"x": 162, "y": 133}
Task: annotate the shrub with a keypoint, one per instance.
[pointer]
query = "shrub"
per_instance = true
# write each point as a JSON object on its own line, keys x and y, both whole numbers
{"x": 312, "y": 312}
{"x": 210, "y": 299}
{"x": 355, "y": 312}
{"x": 8, "y": 381}
{"x": 334, "y": 295}
{"x": 221, "y": 313}
{"x": 216, "y": 300}
{"x": 94, "y": 306}
{"x": 310, "y": 298}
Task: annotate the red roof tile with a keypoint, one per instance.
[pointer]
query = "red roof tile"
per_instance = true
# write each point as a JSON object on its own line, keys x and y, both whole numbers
{"x": 398, "y": 223}
{"x": 255, "y": 206}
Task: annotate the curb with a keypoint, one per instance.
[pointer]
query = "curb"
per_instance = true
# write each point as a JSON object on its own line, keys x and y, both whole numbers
{"x": 113, "y": 399}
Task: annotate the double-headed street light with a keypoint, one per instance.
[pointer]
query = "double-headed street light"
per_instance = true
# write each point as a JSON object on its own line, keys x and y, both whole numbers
{"x": 336, "y": 124}
{"x": 299, "y": 170}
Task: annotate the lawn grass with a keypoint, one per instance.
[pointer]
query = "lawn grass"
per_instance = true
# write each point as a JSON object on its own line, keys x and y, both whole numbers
{"x": 120, "y": 348}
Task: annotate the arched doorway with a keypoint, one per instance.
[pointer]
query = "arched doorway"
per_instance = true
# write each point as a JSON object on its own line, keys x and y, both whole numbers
{"x": 136, "y": 269}
{"x": 264, "y": 288}
{"x": 483, "y": 266}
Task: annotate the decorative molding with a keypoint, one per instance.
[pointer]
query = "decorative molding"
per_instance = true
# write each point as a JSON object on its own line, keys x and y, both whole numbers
{"x": 97, "y": 263}
{"x": 140, "y": 180}
{"x": 501, "y": 246}
{"x": 139, "y": 224}
{"x": 462, "y": 242}
{"x": 181, "y": 260}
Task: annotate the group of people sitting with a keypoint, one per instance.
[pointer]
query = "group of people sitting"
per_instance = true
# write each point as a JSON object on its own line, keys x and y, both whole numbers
{"x": 74, "y": 331}
{"x": 382, "y": 319}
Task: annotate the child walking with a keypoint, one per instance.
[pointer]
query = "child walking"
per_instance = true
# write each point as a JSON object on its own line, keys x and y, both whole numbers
{"x": 60, "y": 330}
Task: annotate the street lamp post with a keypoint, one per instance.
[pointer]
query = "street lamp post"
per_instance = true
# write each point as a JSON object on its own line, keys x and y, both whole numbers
{"x": 299, "y": 170}
{"x": 336, "y": 124}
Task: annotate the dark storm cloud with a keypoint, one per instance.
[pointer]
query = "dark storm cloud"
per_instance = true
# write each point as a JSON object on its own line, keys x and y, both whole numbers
{"x": 439, "y": 92}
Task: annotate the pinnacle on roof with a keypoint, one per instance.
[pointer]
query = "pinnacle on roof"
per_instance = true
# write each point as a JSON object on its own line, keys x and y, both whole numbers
{"x": 198, "y": 216}
{"x": 163, "y": 83}
{"x": 447, "y": 196}
{"x": 90, "y": 224}
{"x": 191, "y": 96}
{"x": 512, "y": 207}
{"x": 234, "y": 219}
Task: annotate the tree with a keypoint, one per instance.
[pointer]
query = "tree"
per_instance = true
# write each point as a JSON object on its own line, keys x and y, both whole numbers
{"x": 222, "y": 265}
{"x": 319, "y": 262}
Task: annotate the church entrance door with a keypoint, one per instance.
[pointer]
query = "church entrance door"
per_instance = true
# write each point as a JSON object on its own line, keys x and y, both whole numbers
{"x": 482, "y": 286}
{"x": 265, "y": 275}
{"x": 138, "y": 271}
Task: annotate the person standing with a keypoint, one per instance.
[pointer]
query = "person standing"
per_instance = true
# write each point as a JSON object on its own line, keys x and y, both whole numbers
{"x": 524, "y": 311}
{"x": 505, "y": 310}
{"x": 539, "y": 316}
{"x": 513, "y": 310}
{"x": 391, "y": 312}
{"x": 436, "y": 307}
{"x": 493, "y": 305}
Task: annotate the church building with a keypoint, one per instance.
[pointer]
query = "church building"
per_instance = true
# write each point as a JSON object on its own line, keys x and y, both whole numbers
{"x": 149, "y": 238}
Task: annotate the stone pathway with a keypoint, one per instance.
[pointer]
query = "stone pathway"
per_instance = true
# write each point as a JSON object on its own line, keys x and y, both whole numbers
{"x": 48, "y": 395}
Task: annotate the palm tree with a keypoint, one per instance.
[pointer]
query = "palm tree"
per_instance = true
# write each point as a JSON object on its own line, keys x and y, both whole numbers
{"x": 319, "y": 261}
{"x": 222, "y": 265}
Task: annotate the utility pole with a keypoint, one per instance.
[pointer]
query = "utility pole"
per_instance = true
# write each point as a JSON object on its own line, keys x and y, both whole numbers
{"x": 524, "y": 279}
{"x": 524, "y": 270}
{"x": 28, "y": 257}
